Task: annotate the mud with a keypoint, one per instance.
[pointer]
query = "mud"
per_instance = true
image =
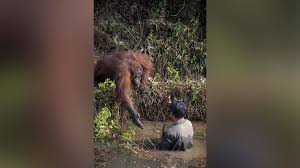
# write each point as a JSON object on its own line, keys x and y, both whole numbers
{"x": 144, "y": 154}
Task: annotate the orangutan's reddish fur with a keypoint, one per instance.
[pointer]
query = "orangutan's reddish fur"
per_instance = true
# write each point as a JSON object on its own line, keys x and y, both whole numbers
{"x": 121, "y": 67}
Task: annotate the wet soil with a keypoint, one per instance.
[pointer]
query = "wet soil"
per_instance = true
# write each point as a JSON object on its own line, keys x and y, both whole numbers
{"x": 143, "y": 153}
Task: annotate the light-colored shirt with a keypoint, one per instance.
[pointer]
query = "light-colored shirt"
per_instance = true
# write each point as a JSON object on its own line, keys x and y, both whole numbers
{"x": 179, "y": 136}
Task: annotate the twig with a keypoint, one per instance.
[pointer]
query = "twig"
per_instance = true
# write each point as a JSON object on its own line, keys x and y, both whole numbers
{"x": 129, "y": 32}
{"x": 180, "y": 9}
{"x": 151, "y": 143}
{"x": 133, "y": 142}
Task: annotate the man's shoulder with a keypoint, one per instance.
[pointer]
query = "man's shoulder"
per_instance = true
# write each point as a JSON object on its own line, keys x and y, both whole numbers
{"x": 186, "y": 128}
{"x": 172, "y": 128}
{"x": 188, "y": 122}
{"x": 178, "y": 126}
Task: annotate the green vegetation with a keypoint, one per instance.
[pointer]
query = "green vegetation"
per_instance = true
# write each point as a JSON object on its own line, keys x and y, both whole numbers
{"x": 109, "y": 123}
{"x": 104, "y": 95}
{"x": 108, "y": 127}
{"x": 104, "y": 126}
{"x": 173, "y": 74}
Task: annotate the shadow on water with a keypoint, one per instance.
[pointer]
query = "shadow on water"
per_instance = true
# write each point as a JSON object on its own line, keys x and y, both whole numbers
{"x": 150, "y": 157}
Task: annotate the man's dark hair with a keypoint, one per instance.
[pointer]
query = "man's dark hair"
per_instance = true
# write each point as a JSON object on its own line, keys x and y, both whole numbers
{"x": 178, "y": 109}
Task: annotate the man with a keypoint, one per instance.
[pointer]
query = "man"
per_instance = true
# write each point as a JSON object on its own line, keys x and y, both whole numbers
{"x": 179, "y": 136}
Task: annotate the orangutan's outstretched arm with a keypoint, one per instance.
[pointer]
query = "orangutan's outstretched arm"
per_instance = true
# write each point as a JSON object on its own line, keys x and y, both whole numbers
{"x": 123, "y": 83}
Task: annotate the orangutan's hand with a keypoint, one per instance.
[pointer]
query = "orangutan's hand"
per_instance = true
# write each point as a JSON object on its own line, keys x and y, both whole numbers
{"x": 136, "y": 120}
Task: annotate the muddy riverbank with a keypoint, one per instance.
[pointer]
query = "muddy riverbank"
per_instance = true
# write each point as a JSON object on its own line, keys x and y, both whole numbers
{"x": 142, "y": 153}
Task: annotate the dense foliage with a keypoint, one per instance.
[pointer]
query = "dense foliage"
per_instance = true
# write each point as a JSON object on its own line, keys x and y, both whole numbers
{"x": 153, "y": 102}
{"x": 173, "y": 32}
{"x": 110, "y": 124}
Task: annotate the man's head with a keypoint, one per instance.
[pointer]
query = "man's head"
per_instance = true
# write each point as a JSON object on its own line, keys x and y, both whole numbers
{"x": 178, "y": 108}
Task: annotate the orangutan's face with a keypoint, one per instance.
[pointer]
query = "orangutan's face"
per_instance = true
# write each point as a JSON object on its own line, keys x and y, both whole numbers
{"x": 137, "y": 77}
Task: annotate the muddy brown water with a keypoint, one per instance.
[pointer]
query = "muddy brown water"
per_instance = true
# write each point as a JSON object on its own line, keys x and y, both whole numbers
{"x": 149, "y": 157}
